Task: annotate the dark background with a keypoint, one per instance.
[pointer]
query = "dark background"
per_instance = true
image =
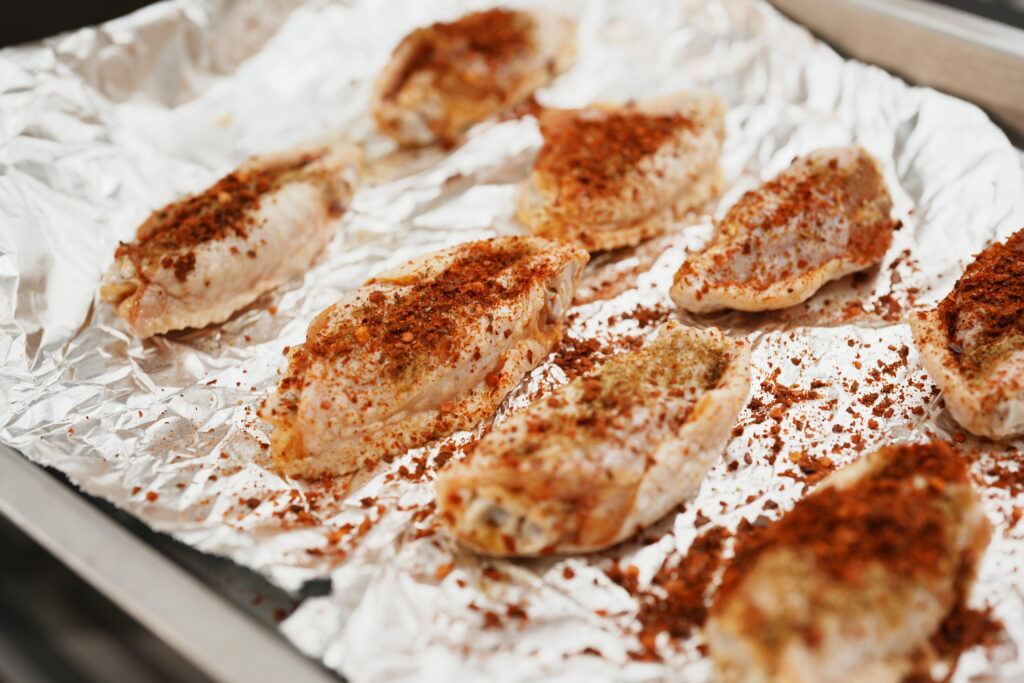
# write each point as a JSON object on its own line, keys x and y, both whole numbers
{"x": 54, "y": 626}
{"x": 24, "y": 20}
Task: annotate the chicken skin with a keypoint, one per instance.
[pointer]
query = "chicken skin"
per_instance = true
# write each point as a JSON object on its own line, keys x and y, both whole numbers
{"x": 605, "y": 455}
{"x": 852, "y": 582}
{"x": 972, "y": 343}
{"x": 419, "y": 352}
{"x": 611, "y": 176}
{"x": 824, "y": 217}
{"x": 198, "y": 260}
{"x": 445, "y": 78}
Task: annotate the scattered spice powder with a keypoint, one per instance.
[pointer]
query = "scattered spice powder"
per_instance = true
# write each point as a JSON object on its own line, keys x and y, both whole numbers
{"x": 645, "y": 316}
{"x": 813, "y": 468}
{"x": 516, "y": 611}
{"x": 965, "y": 628}
{"x": 675, "y": 603}
{"x": 605, "y": 286}
{"x": 1011, "y": 479}
{"x": 782, "y": 398}
{"x": 578, "y": 357}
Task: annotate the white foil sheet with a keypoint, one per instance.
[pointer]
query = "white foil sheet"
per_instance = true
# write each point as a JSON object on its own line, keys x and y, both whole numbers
{"x": 100, "y": 126}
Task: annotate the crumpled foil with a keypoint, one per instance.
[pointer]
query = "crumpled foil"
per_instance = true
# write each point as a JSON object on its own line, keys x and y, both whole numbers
{"x": 100, "y": 126}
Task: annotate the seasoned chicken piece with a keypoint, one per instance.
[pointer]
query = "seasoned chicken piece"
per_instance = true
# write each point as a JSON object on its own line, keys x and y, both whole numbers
{"x": 610, "y": 176}
{"x": 198, "y": 260}
{"x": 419, "y": 352}
{"x": 972, "y": 344}
{"x": 603, "y": 456}
{"x": 445, "y": 78}
{"x": 851, "y": 583}
{"x": 825, "y": 216}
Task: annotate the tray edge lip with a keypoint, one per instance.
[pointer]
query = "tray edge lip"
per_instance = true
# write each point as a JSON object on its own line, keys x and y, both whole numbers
{"x": 187, "y": 614}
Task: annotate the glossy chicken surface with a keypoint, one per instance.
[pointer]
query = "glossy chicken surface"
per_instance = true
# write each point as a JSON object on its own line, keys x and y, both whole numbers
{"x": 603, "y": 456}
{"x": 445, "y": 78}
{"x": 420, "y": 351}
{"x": 852, "y": 582}
{"x": 198, "y": 260}
{"x": 824, "y": 217}
{"x": 610, "y": 176}
{"x": 972, "y": 343}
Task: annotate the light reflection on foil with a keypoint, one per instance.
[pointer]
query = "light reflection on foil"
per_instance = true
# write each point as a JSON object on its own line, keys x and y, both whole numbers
{"x": 99, "y": 126}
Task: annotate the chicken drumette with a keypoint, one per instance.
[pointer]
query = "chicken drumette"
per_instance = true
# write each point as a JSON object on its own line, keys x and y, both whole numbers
{"x": 447, "y": 77}
{"x": 851, "y": 583}
{"x": 419, "y": 352}
{"x": 972, "y": 344}
{"x": 610, "y": 176}
{"x": 605, "y": 455}
{"x": 825, "y": 216}
{"x": 198, "y": 260}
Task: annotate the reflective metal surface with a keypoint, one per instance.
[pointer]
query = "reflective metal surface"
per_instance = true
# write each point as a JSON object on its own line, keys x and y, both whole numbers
{"x": 102, "y": 125}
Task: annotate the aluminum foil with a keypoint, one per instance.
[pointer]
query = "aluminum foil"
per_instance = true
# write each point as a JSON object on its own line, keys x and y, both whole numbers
{"x": 100, "y": 126}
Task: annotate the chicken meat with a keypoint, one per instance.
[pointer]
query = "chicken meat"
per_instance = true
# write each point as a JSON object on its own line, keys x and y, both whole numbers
{"x": 825, "y": 216}
{"x": 972, "y": 343}
{"x": 445, "y": 78}
{"x": 418, "y": 352}
{"x": 198, "y": 260}
{"x": 851, "y": 583}
{"x": 605, "y": 455}
{"x": 610, "y": 176}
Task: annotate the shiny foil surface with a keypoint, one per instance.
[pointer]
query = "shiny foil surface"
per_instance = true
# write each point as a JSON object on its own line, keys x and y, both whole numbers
{"x": 101, "y": 126}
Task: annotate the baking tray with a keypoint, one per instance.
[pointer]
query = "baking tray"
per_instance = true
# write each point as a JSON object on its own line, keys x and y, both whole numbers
{"x": 928, "y": 44}
{"x": 220, "y": 616}
{"x": 216, "y": 614}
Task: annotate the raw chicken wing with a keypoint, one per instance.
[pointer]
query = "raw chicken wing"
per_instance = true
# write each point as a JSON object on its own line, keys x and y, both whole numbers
{"x": 198, "y": 260}
{"x": 605, "y": 455}
{"x": 445, "y": 78}
{"x": 850, "y": 584}
{"x": 610, "y": 176}
{"x": 972, "y": 344}
{"x": 825, "y": 216}
{"x": 420, "y": 351}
